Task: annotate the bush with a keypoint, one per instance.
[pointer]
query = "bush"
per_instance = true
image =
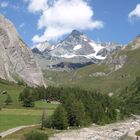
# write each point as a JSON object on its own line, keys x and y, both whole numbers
{"x": 8, "y": 100}
{"x": 35, "y": 135}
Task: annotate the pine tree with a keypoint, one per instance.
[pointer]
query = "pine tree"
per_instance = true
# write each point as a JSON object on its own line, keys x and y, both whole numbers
{"x": 59, "y": 118}
{"x": 43, "y": 119}
{"x": 75, "y": 110}
{"x": 27, "y": 97}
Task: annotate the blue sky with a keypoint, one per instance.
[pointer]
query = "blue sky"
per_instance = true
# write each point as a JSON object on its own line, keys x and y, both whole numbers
{"x": 101, "y": 20}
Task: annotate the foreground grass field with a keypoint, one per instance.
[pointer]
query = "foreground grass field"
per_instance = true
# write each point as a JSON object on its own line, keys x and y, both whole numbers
{"x": 10, "y": 118}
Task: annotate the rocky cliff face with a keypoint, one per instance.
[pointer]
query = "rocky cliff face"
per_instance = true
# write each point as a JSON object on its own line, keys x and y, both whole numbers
{"x": 116, "y": 62}
{"x": 16, "y": 60}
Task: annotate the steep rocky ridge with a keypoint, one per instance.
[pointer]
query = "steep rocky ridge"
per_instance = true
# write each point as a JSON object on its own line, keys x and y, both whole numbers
{"x": 16, "y": 59}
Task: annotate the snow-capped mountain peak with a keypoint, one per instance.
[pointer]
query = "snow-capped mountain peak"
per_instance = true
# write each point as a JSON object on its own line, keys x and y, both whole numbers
{"x": 78, "y": 45}
{"x": 76, "y": 48}
{"x": 43, "y": 46}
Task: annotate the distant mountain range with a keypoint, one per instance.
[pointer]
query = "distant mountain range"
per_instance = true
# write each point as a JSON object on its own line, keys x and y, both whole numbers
{"x": 75, "y": 51}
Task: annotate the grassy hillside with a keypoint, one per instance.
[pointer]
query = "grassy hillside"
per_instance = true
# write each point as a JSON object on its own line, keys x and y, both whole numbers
{"x": 12, "y": 89}
{"x": 115, "y": 80}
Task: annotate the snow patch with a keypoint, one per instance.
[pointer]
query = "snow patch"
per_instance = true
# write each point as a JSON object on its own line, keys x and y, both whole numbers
{"x": 77, "y": 47}
{"x": 40, "y": 47}
{"x": 97, "y": 47}
{"x": 68, "y": 56}
{"x": 93, "y": 55}
{"x": 85, "y": 39}
{"x": 90, "y": 56}
{"x": 43, "y": 46}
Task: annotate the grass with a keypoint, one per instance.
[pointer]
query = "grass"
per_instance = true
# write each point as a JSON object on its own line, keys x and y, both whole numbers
{"x": 13, "y": 90}
{"x": 45, "y": 105}
{"x": 138, "y": 133}
{"x": 10, "y": 118}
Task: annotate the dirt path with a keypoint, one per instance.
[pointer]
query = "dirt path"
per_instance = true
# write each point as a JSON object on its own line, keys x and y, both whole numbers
{"x": 132, "y": 132}
{"x": 10, "y": 131}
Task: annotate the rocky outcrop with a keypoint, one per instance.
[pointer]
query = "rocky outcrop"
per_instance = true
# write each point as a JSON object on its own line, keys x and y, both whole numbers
{"x": 16, "y": 59}
{"x": 116, "y": 62}
{"x": 135, "y": 44}
{"x": 98, "y": 74}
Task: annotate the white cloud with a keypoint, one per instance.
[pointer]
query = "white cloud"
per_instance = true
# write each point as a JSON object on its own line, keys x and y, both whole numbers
{"x": 61, "y": 17}
{"x": 37, "y": 5}
{"x": 4, "y": 4}
{"x": 135, "y": 12}
{"x": 21, "y": 25}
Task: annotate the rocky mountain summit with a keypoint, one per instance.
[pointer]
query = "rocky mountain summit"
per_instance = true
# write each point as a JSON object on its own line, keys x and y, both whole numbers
{"x": 75, "y": 51}
{"x": 16, "y": 59}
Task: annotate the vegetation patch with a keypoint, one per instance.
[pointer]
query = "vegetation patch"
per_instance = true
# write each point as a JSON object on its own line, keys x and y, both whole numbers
{"x": 10, "y": 118}
{"x": 19, "y": 135}
{"x": 45, "y": 105}
{"x": 138, "y": 133}
{"x": 35, "y": 135}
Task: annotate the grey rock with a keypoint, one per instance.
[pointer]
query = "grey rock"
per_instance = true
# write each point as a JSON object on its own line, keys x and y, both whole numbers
{"x": 135, "y": 44}
{"x": 116, "y": 62}
{"x": 16, "y": 59}
{"x": 103, "y": 52}
{"x": 98, "y": 74}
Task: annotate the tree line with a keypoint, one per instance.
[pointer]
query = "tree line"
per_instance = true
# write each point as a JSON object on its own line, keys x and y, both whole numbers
{"x": 78, "y": 107}
{"x": 81, "y": 108}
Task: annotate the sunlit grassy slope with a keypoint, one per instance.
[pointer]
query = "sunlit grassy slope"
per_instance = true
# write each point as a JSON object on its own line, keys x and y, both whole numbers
{"x": 113, "y": 82}
{"x": 12, "y": 89}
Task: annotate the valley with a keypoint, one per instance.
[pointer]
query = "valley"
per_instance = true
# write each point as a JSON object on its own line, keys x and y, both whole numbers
{"x": 74, "y": 89}
{"x": 102, "y": 76}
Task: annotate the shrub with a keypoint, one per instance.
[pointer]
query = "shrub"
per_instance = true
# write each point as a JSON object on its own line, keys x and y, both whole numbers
{"x": 8, "y": 100}
{"x": 35, "y": 135}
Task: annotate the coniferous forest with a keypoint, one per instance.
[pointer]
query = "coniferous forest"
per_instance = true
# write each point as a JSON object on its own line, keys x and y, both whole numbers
{"x": 81, "y": 108}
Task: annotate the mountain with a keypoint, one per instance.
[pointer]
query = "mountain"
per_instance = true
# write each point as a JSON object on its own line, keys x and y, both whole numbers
{"x": 78, "y": 45}
{"x": 41, "y": 47}
{"x": 75, "y": 51}
{"x": 16, "y": 59}
{"x": 114, "y": 73}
